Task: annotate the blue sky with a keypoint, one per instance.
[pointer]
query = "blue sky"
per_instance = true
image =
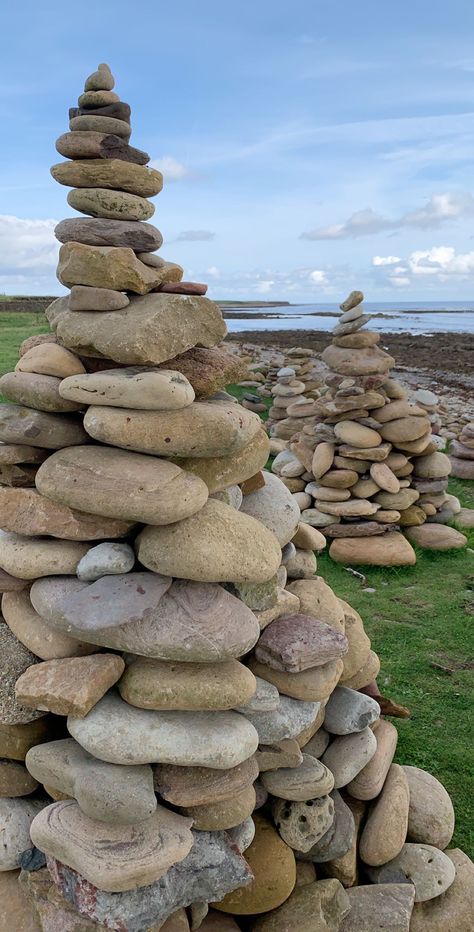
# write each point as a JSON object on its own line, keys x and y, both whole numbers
{"x": 308, "y": 147}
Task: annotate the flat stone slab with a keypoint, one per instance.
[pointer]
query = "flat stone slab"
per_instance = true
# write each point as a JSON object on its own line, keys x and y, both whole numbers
{"x": 130, "y": 387}
{"x": 118, "y": 857}
{"x": 27, "y": 512}
{"x": 105, "y": 792}
{"x": 39, "y": 428}
{"x": 70, "y": 686}
{"x": 117, "y": 732}
{"x": 294, "y": 643}
{"x": 97, "y": 231}
{"x": 198, "y": 622}
{"x": 211, "y": 869}
{"x": 391, "y": 904}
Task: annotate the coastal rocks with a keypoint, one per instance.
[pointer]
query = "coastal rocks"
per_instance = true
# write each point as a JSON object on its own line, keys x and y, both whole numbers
{"x": 116, "y": 858}
{"x": 121, "y": 734}
{"x": 120, "y": 484}
{"x": 289, "y": 720}
{"x": 226, "y": 814}
{"x": 221, "y": 472}
{"x": 220, "y": 430}
{"x": 152, "y": 329}
{"x": 50, "y": 359}
{"x": 130, "y": 387}
{"x": 70, "y": 686}
{"x": 217, "y": 544}
{"x": 88, "y": 298}
{"x": 369, "y": 781}
{"x": 273, "y": 867}
{"x": 339, "y": 837}
{"x": 430, "y": 814}
{"x": 105, "y": 792}
{"x": 360, "y": 362}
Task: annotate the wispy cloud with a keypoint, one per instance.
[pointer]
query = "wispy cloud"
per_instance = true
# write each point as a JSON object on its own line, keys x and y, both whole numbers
{"x": 440, "y": 209}
{"x": 195, "y": 236}
{"x": 171, "y": 168}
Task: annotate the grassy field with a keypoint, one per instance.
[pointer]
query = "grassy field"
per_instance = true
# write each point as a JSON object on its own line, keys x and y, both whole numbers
{"x": 420, "y": 621}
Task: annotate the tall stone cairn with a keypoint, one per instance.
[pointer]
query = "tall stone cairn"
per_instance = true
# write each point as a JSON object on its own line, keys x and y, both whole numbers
{"x": 371, "y": 464}
{"x": 197, "y": 733}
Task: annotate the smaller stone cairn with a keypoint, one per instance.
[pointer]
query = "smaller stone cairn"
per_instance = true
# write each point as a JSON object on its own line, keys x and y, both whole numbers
{"x": 461, "y": 453}
{"x": 365, "y": 464}
{"x": 295, "y": 386}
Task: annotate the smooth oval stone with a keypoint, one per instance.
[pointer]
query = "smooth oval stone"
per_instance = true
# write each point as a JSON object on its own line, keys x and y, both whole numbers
{"x": 437, "y": 537}
{"x": 89, "y": 144}
{"x": 311, "y": 779}
{"x": 389, "y": 905}
{"x": 109, "y": 267}
{"x": 274, "y": 874}
{"x": 107, "y": 559}
{"x": 97, "y": 97}
{"x": 200, "y": 429}
{"x": 225, "y": 814}
{"x": 199, "y": 786}
{"x": 302, "y": 824}
{"x": 318, "y": 599}
{"x": 196, "y": 622}
{"x": 311, "y": 685}
{"x": 294, "y": 643}
{"x": 100, "y": 80}
{"x": 320, "y": 905}
{"x": 368, "y": 783}
{"x": 105, "y": 232}
{"x": 40, "y": 392}
{"x": 106, "y": 792}
{"x": 347, "y": 755}
{"x": 120, "y": 484}
{"x": 109, "y": 173}
{"x": 41, "y": 639}
{"x": 114, "y": 858}
{"x": 153, "y": 329}
{"x": 454, "y": 909}
{"x": 30, "y": 557}
{"x": 16, "y": 816}
{"x": 349, "y": 711}
{"x": 39, "y": 429}
{"x": 100, "y": 124}
{"x": 157, "y": 684}
{"x": 287, "y": 721}
{"x": 69, "y": 686}
{"x": 385, "y": 830}
{"x": 25, "y": 511}
{"x": 425, "y": 866}
{"x": 274, "y": 506}
{"x": 130, "y": 387}
{"x": 117, "y": 732}
{"x": 50, "y": 359}
{"x": 217, "y": 544}
{"x": 15, "y": 780}
{"x": 354, "y": 433}
{"x": 110, "y": 205}
{"x": 89, "y": 298}
{"x": 431, "y": 813}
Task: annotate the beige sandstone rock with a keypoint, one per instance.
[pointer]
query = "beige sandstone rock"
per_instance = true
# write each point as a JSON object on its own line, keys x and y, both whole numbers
{"x": 109, "y": 173}
{"x": 390, "y": 550}
{"x": 50, "y": 359}
{"x": 40, "y": 638}
{"x": 105, "y": 267}
{"x": 385, "y": 830}
{"x": 369, "y": 781}
{"x": 26, "y": 511}
{"x": 69, "y": 686}
{"x": 130, "y": 387}
{"x": 158, "y": 684}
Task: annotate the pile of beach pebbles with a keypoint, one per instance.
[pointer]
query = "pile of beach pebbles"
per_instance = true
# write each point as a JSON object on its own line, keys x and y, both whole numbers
{"x": 366, "y": 458}
{"x": 191, "y": 733}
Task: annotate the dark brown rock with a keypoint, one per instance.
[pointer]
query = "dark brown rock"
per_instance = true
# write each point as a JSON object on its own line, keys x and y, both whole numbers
{"x": 294, "y": 643}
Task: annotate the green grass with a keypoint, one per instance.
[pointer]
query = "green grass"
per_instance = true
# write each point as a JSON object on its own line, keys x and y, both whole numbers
{"x": 417, "y": 616}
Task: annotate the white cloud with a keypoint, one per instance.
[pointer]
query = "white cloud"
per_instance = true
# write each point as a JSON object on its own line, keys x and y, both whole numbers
{"x": 213, "y": 271}
{"x": 439, "y": 209}
{"x": 171, "y": 169}
{"x": 27, "y": 246}
{"x": 385, "y": 260}
{"x": 195, "y": 236}
{"x": 432, "y": 267}
{"x": 318, "y": 277}
{"x": 264, "y": 287}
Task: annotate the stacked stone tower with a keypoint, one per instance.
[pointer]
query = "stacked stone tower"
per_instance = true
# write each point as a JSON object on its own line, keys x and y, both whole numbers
{"x": 197, "y": 733}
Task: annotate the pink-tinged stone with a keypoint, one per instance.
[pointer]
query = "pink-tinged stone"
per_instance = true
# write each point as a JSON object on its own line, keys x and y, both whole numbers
{"x": 183, "y": 288}
{"x": 117, "y": 857}
{"x": 294, "y": 643}
{"x": 212, "y": 868}
{"x": 69, "y": 686}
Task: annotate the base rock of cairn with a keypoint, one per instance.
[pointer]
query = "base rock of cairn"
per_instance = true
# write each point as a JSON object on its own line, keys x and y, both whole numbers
{"x": 365, "y": 466}
{"x": 161, "y": 679}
